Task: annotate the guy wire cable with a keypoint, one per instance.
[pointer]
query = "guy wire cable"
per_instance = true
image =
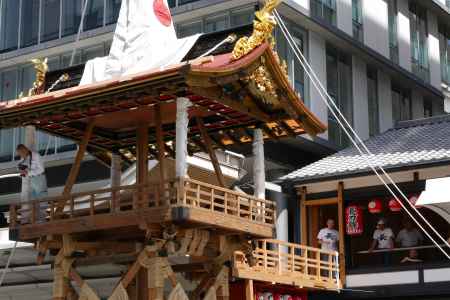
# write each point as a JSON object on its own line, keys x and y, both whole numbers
{"x": 312, "y": 77}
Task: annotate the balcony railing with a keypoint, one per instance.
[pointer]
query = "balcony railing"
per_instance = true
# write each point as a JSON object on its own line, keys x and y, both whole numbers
{"x": 203, "y": 198}
{"x": 287, "y": 263}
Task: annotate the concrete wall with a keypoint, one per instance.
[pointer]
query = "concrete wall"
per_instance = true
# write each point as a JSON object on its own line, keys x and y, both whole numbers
{"x": 360, "y": 101}
{"x": 344, "y": 16}
{"x": 375, "y": 24}
{"x": 404, "y": 34}
{"x": 434, "y": 51}
{"x": 385, "y": 101}
{"x": 317, "y": 59}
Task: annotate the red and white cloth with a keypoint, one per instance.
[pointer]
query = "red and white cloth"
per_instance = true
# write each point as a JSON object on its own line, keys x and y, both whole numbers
{"x": 144, "y": 39}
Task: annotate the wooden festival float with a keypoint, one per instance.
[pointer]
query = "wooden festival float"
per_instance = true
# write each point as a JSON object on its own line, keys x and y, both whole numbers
{"x": 169, "y": 226}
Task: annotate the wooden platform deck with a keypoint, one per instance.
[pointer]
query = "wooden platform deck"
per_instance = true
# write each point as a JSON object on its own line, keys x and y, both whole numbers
{"x": 187, "y": 201}
{"x": 278, "y": 262}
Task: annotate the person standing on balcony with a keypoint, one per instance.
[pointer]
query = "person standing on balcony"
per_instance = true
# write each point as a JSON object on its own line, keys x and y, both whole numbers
{"x": 328, "y": 237}
{"x": 409, "y": 236}
{"x": 32, "y": 169}
{"x": 383, "y": 239}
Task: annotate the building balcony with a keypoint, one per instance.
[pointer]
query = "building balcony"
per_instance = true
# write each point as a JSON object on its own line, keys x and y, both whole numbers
{"x": 187, "y": 201}
{"x": 279, "y": 262}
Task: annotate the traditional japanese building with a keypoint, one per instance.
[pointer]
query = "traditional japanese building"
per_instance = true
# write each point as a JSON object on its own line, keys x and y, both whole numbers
{"x": 344, "y": 188}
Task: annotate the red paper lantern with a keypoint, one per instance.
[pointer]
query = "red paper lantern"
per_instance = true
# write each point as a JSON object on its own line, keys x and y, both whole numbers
{"x": 375, "y": 206}
{"x": 394, "y": 205}
{"x": 354, "y": 220}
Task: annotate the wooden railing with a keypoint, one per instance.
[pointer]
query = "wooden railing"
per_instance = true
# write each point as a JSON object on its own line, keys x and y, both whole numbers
{"x": 287, "y": 263}
{"x": 198, "y": 194}
{"x": 183, "y": 192}
{"x": 91, "y": 203}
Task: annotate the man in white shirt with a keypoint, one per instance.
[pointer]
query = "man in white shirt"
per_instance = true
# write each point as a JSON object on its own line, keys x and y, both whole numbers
{"x": 32, "y": 169}
{"x": 409, "y": 236}
{"x": 328, "y": 237}
{"x": 383, "y": 239}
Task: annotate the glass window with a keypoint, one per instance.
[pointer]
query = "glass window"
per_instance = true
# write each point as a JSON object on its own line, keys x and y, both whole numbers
{"x": 339, "y": 86}
{"x": 357, "y": 20}
{"x": 242, "y": 17}
{"x": 188, "y": 29}
{"x": 9, "y": 25}
{"x": 444, "y": 45}
{"x": 216, "y": 23}
{"x": 372, "y": 96}
{"x": 419, "y": 41}
{"x": 112, "y": 11}
{"x": 50, "y": 20}
{"x": 94, "y": 15}
{"x": 325, "y": 10}
{"x": 427, "y": 108}
{"x": 71, "y": 16}
{"x": 29, "y": 23}
{"x": 28, "y": 76}
{"x": 401, "y": 105}
{"x": 9, "y": 84}
{"x": 393, "y": 35}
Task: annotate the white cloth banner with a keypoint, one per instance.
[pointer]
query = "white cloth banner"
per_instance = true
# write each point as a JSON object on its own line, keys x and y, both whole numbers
{"x": 144, "y": 39}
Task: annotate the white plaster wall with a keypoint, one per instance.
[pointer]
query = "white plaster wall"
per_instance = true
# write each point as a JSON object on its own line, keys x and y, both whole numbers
{"x": 301, "y": 5}
{"x": 344, "y": 16}
{"x": 375, "y": 24}
{"x": 317, "y": 59}
{"x": 404, "y": 34}
{"x": 434, "y": 51}
{"x": 384, "y": 101}
{"x": 417, "y": 105}
{"x": 360, "y": 101}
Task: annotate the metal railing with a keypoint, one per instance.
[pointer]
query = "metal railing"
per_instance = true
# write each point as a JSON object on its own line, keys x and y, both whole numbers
{"x": 282, "y": 262}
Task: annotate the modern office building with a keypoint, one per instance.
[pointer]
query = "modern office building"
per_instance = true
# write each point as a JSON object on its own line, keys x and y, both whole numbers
{"x": 382, "y": 61}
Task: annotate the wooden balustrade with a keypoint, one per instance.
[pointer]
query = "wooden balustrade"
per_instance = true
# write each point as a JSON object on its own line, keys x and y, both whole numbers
{"x": 183, "y": 192}
{"x": 198, "y": 194}
{"x": 287, "y": 263}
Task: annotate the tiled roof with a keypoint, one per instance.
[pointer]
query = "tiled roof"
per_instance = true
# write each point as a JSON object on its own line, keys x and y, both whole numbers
{"x": 409, "y": 144}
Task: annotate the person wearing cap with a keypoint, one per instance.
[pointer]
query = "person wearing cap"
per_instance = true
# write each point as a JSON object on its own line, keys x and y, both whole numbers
{"x": 383, "y": 239}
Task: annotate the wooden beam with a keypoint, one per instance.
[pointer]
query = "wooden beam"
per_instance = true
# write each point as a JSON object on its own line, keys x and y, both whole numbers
{"x": 342, "y": 266}
{"x": 249, "y": 292}
{"x": 303, "y": 217}
{"x": 212, "y": 154}
{"x": 161, "y": 148}
{"x": 322, "y": 202}
{"x": 75, "y": 169}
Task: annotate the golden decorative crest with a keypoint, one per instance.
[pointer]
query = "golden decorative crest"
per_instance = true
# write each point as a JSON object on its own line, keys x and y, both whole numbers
{"x": 41, "y": 68}
{"x": 262, "y": 30}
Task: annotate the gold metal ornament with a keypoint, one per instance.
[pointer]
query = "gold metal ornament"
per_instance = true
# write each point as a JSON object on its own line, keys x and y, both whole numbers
{"x": 262, "y": 30}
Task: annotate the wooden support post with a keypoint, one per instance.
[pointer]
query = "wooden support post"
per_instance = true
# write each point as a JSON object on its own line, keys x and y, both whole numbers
{"x": 314, "y": 228}
{"x": 341, "y": 212}
{"x": 303, "y": 217}
{"x": 249, "y": 292}
{"x": 142, "y": 162}
{"x": 258, "y": 165}
{"x": 182, "y": 126}
{"x": 161, "y": 151}
{"x": 212, "y": 154}
{"x": 116, "y": 178}
{"x": 71, "y": 179}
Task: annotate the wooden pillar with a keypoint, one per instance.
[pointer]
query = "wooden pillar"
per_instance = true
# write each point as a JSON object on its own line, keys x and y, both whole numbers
{"x": 142, "y": 161}
{"x": 303, "y": 217}
{"x": 75, "y": 169}
{"x": 259, "y": 174}
{"x": 161, "y": 149}
{"x": 116, "y": 178}
{"x": 212, "y": 154}
{"x": 249, "y": 292}
{"x": 182, "y": 127}
{"x": 341, "y": 212}
{"x": 314, "y": 226}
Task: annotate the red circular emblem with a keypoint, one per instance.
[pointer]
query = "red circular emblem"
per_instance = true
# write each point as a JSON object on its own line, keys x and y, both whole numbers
{"x": 162, "y": 12}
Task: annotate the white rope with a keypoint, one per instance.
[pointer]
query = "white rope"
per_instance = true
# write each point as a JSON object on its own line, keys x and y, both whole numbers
{"x": 13, "y": 251}
{"x": 80, "y": 29}
{"x": 229, "y": 40}
{"x": 327, "y": 99}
